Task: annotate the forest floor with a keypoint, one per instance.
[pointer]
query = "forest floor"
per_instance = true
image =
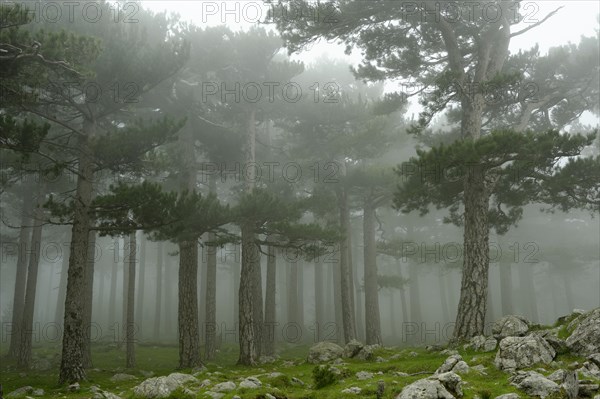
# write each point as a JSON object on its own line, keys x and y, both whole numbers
{"x": 162, "y": 360}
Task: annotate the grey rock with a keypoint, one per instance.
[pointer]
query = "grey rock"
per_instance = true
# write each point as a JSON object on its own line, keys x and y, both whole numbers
{"x": 214, "y": 395}
{"x": 570, "y": 384}
{"x": 38, "y": 392}
{"x": 558, "y": 376}
{"x": 162, "y": 387}
{"x": 105, "y": 395}
{"x": 520, "y": 352}
{"x": 534, "y": 384}
{"x": 74, "y": 387}
{"x": 510, "y": 326}
{"x": 364, "y": 375}
{"x": 441, "y": 386}
{"x": 324, "y": 352}
{"x": 352, "y": 390}
{"x": 588, "y": 390}
{"x": 482, "y": 343}
{"x": 454, "y": 363}
{"x": 20, "y": 392}
{"x": 366, "y": 352}
{"x": 449, "y": 352}
{"x": 508, "y": 396}
{"x": 251, "y": 383}
{"x": 226, "y": 386}
{"x": 298, "y": 382}
{"x": 352, "y": 348}
{"x": 585, "y": 338}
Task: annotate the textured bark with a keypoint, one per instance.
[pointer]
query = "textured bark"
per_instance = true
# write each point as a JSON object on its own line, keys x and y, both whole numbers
{"x": 372, "y": 317}
{"x": 62, "y": 287}
{"x": 139, "y": 311}
{"x": 71, "y": 366}
{"x": 20, "y": 278}
{"x": 270, "y": 292}
{"x": 247, "y": 339}
{"x": 189, "y": 338}
{"x": 159, "y": 284}
{"x": 112, "y": 302}
{"x": 337, "y": 298}
{"x": 470, "y": 318}
{"x": 346, "y": 287}
{"x": 26, "y": 329}
{"x": 88, "y": 297}
{"x": 506, "y": 289}
{"x": 211, "y": 300}
{"x": 258, "y": 303}
{"x": 130, "y": 326}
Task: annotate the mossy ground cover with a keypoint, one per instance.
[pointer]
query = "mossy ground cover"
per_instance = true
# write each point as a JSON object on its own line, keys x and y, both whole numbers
{"x": 162, "y": 360}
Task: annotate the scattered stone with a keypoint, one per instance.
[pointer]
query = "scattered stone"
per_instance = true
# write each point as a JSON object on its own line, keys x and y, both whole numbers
{"x": 585, "y": 338}
{"x": 324, "y": 352}
{"x": 510, "y": 326}
{"x": 588, "y": 390}
{"x": 105, "y": 395}
{"x": 269, "y": 396}
{"x": 590, "y": 370}
{"x": 251, "y": 383}
{"x": 395, "y": 356}
{"x": 534, "y": 384}
{"x": 558, "y": 376}
{"x": 38, "y": 392}
{"x": 449, "y": 352}
{"x": 508, "y": 396}
{"x": 520, "y": 352}
{"x": 276, "y": 374}
{"x": 162, "y": 387}
{"x": 288, "y": 363}
{"x": 454, "y": 363}
{"x": 74, "y": 387}
{"x": 366, "y": 352}
{"x": 570, "y": 384}
{"x": 214, "y": 395}
{"x": 20, "y": 392}
{"x": 442, "y": 386}
{"x": 380, "y": 360}
{"x": 413, "y": 354}
{"x": 352, "y": 348}
{"x": 122, "y": 377}
{"x": 352, "y": 390}
{"x": 482, "y": 343}
{"x": 297, "y": 381}
{"x": 364, "y": 375}
{"x": 267, "y": 359}
{"x": 226, "y": 386}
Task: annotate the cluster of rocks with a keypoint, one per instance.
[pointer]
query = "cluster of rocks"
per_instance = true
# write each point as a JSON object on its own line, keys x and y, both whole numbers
{"x": 326, "y": 351}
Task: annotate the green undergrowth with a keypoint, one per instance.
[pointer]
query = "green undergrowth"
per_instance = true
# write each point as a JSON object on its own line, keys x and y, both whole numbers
{"x": 162, "y": 360}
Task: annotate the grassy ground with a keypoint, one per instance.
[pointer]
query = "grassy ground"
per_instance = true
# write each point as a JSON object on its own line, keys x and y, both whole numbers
{"x": 162, "y": 360}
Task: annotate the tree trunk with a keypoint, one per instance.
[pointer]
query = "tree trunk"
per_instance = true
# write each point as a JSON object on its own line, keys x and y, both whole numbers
{"x": 62, "y": 290}
{"x": 169, "y": 306}
{"x": 319, "y": 300}
{"x": 112, "y": 302}
{"x": 26, "y": 329}
{"x": 246, "y": 320}
{"x": 130, "y": 323}
{"x": 141, "y": 286}
{"x": 189, "y": 339}
{"x": 527, "y": 288}
{"x": 71, "y": 366}
{"x": 403, "y": 304}
{"x": 159, "y": 284}
{"x": 470, "y": 318}
{"x": 211, "y": 300}
{"x": 258, "y": 303}
{"x": 414, "y": 293}
{"x": 506, "y": 288}
{"x": 337, "y": 298}
{"x": 443, "y": 294}
{"x": 300, "y": 293}
{"x": 372, "y": 318}
{"x": 292, "y": 293}
{"x": 345, "y": 280}
{"x": 270, "y": 316}
{"x": 20, "y": 278}
{"x": 87, "y": 305}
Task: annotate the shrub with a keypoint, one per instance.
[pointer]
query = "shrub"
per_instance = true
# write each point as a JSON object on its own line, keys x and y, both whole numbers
{"x": 323, "y": 376}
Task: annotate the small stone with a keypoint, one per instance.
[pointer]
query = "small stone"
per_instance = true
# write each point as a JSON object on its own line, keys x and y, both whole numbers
{"x": 352, "y": 390}
{"x": 122, "y": 377}
{"x": 226, "y": 386}
{"x": 364, "y": 375}
{"x": 74, "y": 387}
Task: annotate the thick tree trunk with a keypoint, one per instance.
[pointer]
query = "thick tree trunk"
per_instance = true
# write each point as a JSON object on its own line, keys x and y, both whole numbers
{"x": 211, "y": 300}
{"x": 139, "y": 312}
{"x": 349, "y": 327}
{"x": 470, "y": 318}
{"x": 87, "y": 306}
{"x": 26, "y": 329}
{"x": 189, "y": 338}
{"x": 62, "y": 288}
{"x": 71, "y": 367}
{"x": 270, "y": 317}
{"x": 506, "y": 289}
{"x": 21, "y": 278}
{"x": 112, "y": 302}
{"x": 372, "y": 317}
{"x": 258, "y": 303}
{"x": 130, "y": 323}
{"x": 246, "y": 313}
{"x": 159, "y": 284}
